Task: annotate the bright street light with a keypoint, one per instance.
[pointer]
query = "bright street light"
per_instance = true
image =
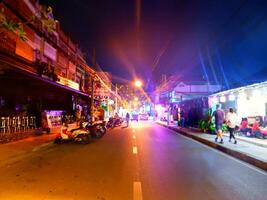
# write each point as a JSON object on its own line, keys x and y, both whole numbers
{"x": 136, "y": 98}
{"x": 138, "y": 83}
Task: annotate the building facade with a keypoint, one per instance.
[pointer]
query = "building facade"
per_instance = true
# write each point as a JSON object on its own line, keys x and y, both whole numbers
{"x": 45, "y": 71}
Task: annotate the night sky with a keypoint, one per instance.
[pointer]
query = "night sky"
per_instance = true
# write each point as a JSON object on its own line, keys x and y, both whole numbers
{"x": 221, "y": 41}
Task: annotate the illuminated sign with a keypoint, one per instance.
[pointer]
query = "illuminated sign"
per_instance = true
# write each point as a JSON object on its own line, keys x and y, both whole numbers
{"x": 68, "y": 83}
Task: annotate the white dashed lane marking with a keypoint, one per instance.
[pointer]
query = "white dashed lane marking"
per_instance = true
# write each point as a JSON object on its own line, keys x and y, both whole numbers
{"x": 134, "y": 150}
{"x": 137, "y": 191}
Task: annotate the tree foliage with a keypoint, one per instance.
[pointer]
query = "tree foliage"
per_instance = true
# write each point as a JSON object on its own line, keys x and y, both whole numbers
{"x": 9, "y": 25}
{"x": 45, "y": 16}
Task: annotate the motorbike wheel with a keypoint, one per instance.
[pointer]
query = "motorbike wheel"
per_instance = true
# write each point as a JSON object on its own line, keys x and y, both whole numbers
{"x": 83, "y": 139}
{"x": 102, "y": 130}
{"x": 98, "y": 134}
{"x": 58, "y": 141}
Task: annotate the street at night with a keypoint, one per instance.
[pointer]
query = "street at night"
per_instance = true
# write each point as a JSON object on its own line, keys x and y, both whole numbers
{"x": 133, "y": 100}
{"x": 166, "y": 165}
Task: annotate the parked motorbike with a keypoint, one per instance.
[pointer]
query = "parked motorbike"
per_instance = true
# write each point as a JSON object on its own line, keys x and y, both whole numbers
{"x": 97, "y": 129}
{"x": 79, "y": 135}
{"x": 114, "y": 122}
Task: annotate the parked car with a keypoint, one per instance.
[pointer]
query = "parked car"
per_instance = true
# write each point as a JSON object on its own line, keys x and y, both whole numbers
{"x": 143, "y": 116}
{"x": 134, "y": 117}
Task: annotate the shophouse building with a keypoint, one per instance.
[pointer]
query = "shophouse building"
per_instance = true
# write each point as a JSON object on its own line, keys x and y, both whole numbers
{"x": 47, "y": 72}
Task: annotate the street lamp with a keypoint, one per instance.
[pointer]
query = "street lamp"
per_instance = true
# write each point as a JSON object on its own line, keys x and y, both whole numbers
{"x": 138, "y": 83}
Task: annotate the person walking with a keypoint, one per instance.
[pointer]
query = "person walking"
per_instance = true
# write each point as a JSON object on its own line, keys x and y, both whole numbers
{"x": 232, "y": 121}
{"x": 182, "y": 118}
{"x": 219, "y": 119}
{"x": 127, "y": 119}
{"x": 78, "y": 113}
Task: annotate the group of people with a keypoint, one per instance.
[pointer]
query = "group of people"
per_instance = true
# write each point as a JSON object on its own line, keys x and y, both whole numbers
{"x": 230, "y": 119}
{"x": 255, "y": 129}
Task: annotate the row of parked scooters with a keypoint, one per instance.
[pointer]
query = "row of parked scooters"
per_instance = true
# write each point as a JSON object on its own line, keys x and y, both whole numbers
{"x": 83, "y": 134}
{"x": 86, "y": 131}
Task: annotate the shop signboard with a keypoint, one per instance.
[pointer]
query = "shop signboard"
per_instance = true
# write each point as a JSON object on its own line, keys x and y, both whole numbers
{"x": 68, "y": 83}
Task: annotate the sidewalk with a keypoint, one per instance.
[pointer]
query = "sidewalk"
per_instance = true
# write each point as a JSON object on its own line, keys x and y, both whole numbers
{"x": 17, "y": 150}
{"x": 250, "y": 150}
{"x": 23, "y": 145}
{"x": 17, "y": 136}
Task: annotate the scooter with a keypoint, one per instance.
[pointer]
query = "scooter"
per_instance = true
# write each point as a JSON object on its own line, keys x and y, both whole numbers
{"x": 97, "y": 129}
{"x": 110, "y": 123}
{"x": 114, "y": 122}
{"x": 79, "y": 135}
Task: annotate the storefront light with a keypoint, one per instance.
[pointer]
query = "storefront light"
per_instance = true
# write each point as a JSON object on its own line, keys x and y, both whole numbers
{"x": 111, "y": 102}
{"x": 159, "y": 108}
{"x": 231, "y": 97}
{"x": 215, "y": 100}
{"x": 222, "y": 99}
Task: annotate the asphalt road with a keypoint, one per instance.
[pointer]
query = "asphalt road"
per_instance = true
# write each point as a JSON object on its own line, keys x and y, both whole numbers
{"x": 142, "y": 162}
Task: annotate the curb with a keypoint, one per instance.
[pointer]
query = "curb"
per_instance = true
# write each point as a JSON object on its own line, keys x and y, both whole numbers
{"x": 238, "y": 137}
{"x": 241, "y": 156}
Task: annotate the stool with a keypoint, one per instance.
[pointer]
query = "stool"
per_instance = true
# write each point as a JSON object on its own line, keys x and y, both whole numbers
{"x": 18, "y": 119}
{"x": 32, "y": 122}
{"x": 3, "y": 125}
{"x": 14, "y": 124}
{"x": 23, "y": 123}
{"x": 27, "y": 123}
{"x": 8, "y": 124}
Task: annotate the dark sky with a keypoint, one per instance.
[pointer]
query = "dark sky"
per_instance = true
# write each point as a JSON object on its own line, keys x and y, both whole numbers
{"x": 222, "y": 41}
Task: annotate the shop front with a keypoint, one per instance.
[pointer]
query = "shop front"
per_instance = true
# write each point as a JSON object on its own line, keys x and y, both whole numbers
{"x": 27, "y": 95}
{"x": 250, "y": 104}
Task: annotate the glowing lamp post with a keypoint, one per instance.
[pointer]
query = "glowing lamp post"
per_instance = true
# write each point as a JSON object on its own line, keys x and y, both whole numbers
{"x": 138, "y": 83}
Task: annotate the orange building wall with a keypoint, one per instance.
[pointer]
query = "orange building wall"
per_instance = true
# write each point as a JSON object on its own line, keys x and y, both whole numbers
{"x": 24, "y": 50}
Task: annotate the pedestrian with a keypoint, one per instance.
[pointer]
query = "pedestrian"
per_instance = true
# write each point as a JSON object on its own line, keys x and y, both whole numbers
{"x": 127, "y": 118}
{"x": 219, "y": 119}
{"x": 78, "y": 113}
{"x": 182, "y": 118}
{"x": 232, "y": 122}
{"x": 178, "y": 117}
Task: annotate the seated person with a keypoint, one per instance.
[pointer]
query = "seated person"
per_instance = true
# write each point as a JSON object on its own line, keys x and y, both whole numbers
{"x": 256, "y": 128}
{"x": 244, "y": 128}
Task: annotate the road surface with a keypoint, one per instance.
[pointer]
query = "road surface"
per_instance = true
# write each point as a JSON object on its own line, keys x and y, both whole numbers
{"x": 142, "y": 162}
